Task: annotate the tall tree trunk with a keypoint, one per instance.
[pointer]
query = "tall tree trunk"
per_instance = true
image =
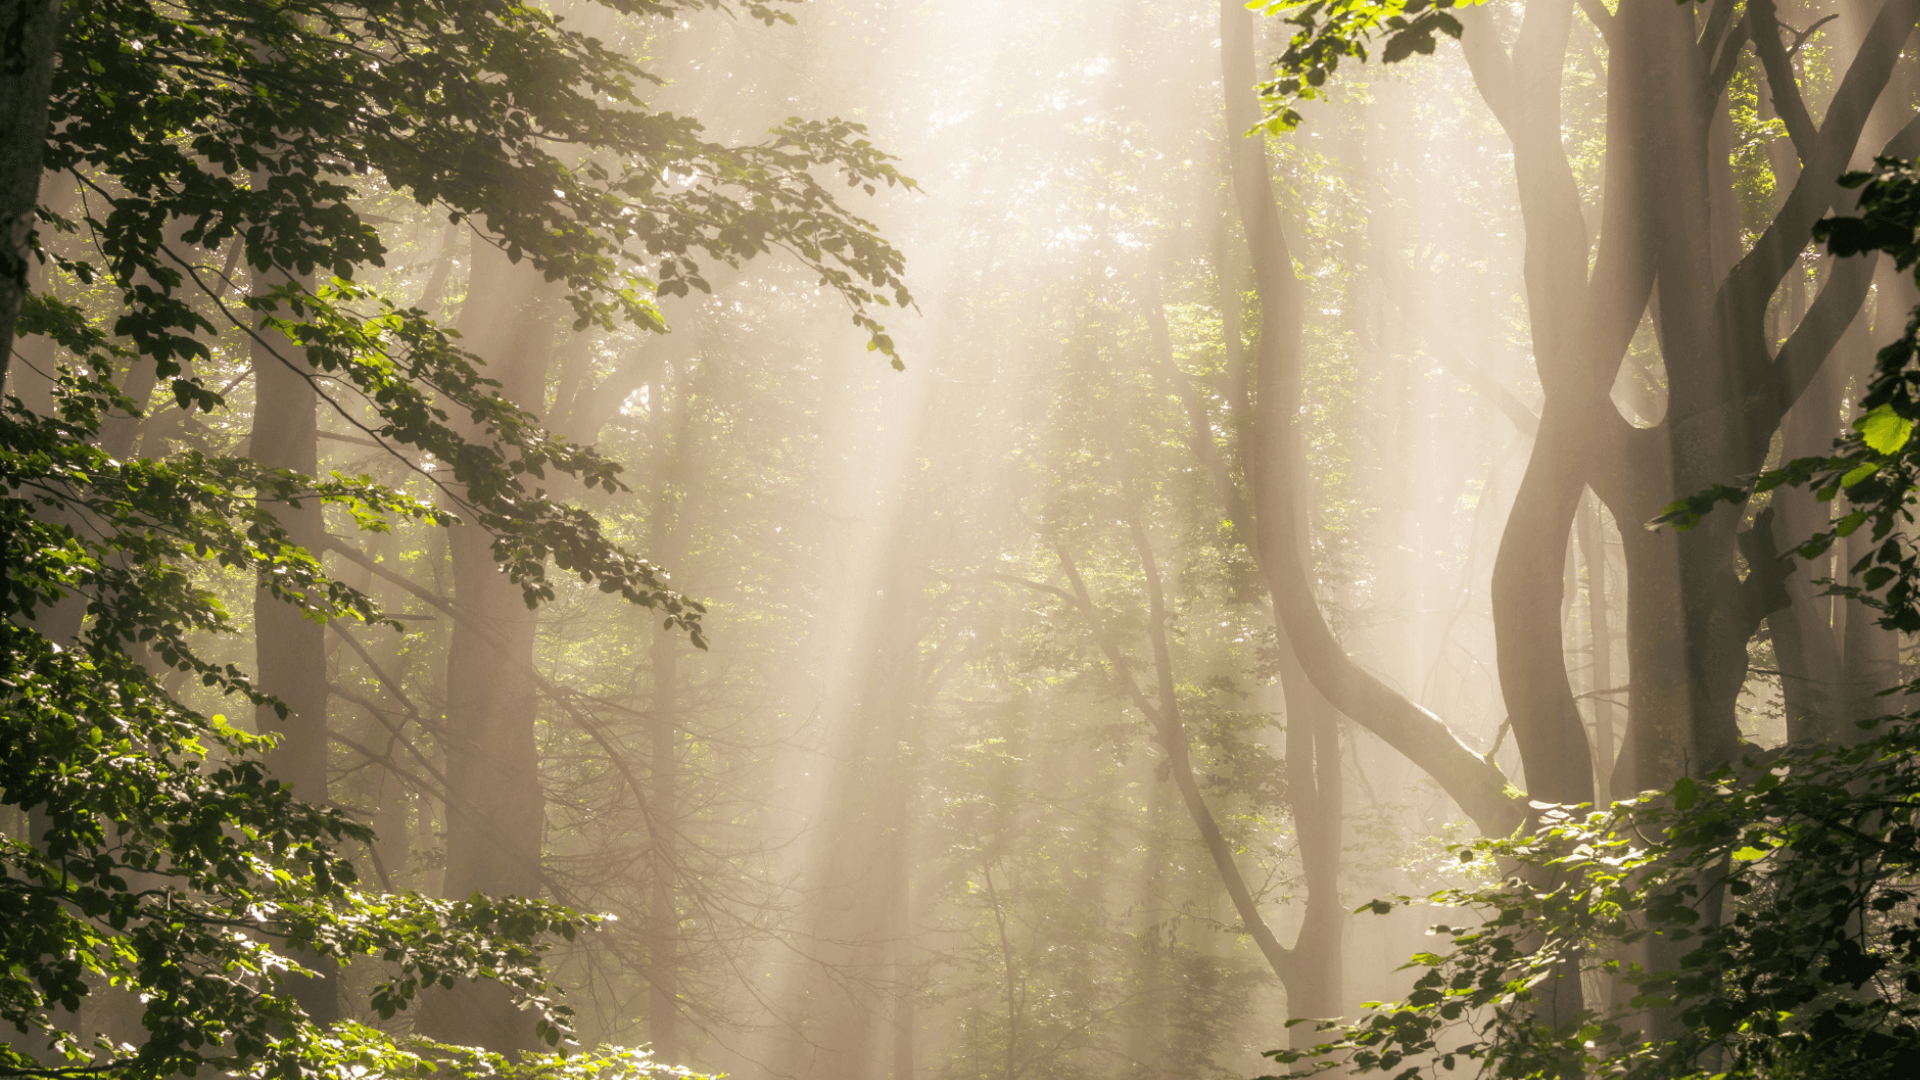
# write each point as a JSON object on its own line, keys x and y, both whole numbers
{"x": 1147, "y": 1027}
{"x": 29, "y": 42}
{"x": 1471, "y": 780}
{"x": 900, "y": 919}
{"x": 663, "y": 916}
{"x": 1315, "y": 977}
{"x": 1593, "y": 551}
{"x": 1317, "y": 986}
{"x": 495, "y": 810}
{"x": 1727, "y": 388}
{"x": 1567, "y": 318}
{"x": 1805, "y": 644}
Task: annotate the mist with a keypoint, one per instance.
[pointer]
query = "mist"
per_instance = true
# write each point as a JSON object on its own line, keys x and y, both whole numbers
{"x": 1253, "y": 517}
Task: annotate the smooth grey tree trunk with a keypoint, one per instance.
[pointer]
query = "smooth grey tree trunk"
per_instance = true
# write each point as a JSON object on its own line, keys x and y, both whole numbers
{"x": 495, "y": 811}
{"x": 290, "y": 648}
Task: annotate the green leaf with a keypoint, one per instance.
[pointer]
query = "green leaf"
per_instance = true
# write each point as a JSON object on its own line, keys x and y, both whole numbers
{"x": 1884, "y": 430}
{"x": 1859, "y": 473}
{"x": 1685, "y": 794}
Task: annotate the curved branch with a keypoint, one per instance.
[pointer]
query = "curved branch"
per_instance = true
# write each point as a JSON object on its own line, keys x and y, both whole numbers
{"x": 1722, "y": 71}
{"x": 1827, "y": 318}
{"x": 1747, "y": 290}
{"x": 1716, "y": 28}
{"x": 1472, "y": 781}
{"x": 1173, "y": 735}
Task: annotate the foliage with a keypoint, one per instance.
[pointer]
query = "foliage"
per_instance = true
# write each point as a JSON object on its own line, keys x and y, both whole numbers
{"x": 244, "y": 126}
{"x": 1815, "y": 970}
{"x": 1333, "y": 30}
{"x": 163, "y": 861}
{"x": 155, "y": 866}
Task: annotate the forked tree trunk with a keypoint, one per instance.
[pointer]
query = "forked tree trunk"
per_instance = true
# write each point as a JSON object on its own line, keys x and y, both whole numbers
{"x": 1471, "y": 780}
{"x": 1314, "y": 971}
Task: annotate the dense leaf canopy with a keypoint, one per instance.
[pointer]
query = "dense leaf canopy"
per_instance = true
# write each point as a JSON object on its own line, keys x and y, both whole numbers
{"x": 162, "y": 863}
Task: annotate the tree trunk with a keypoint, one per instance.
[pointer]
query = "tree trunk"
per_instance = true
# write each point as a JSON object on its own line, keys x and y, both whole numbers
{"x": 29, "y": 42}
{"x": 663, "y": 917}
{"x": 1593, "y": 551}
{"x": 1471, "y": 780}
{"x": 290, "y": 648}
{"x": 1315, "y": 974}
{"x": 495, "y": 810}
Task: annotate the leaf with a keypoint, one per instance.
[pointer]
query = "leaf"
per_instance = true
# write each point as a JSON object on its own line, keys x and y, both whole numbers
{"x": 1685, "y": 794}
{"x": 1883, "y": 430}
{"x": 1859, "y": 473}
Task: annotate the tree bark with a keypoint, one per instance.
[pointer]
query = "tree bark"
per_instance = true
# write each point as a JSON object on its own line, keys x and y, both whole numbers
{"x": 29, "y": 45}
{"x": 1593, "y": 551}
{"x": 1470, "y": 779}
{"x": 290, "y": 649}
{"x": 495, "y": 809}
{"x": 663, "y": 917}
{"x": 1315, "y": 979}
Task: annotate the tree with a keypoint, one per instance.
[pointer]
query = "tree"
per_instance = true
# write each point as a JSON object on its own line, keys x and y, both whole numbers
{"x": 1723, "y": 366}
{"x": 157, "y": 854}
{"x": 1780, "y": 887}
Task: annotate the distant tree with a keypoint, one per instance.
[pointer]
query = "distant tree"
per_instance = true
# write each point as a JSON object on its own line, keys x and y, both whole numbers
{"x": 153, "y": 859}
{"x": 1782, "y": 886}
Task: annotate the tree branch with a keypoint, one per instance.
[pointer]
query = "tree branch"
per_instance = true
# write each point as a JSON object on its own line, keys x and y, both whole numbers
{"x": 1473, "y": 782}
{"x": 1716, "y": 28}
{"x": 1765, "y": 589}
{"x": 1828, "y": 317}
{"x": 1722, "y": 72}
{"x": 1749, "y": 287}
{"x": 1600, "y": 17}
{"x": 1168, "y": 726}
{"x": 1782, "y": 85}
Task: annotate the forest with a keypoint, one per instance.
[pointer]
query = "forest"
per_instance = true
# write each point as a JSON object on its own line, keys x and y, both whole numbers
{"x": 1018, "y": 540}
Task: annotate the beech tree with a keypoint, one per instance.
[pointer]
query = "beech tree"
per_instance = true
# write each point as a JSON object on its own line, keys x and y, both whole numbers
{"x": 157, "y": 854}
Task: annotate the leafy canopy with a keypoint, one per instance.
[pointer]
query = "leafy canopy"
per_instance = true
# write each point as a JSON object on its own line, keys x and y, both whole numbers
{"x": 1329, "y": 31}
{"x": 159, "y": 859}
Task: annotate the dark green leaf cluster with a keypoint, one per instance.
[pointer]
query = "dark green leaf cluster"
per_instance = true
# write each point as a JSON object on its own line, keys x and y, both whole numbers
{"x": 152, "y": 858}
{"x": 1333, "y": 30}
{"x": 1812, "y": 965}
{"x": 158, "y": 857}
{"x": 248, "y": 124}
{"x": 250, "y": 120}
